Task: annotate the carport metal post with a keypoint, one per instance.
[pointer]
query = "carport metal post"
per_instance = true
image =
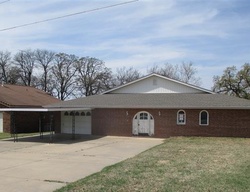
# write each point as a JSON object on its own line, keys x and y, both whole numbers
{"x": 73, "y": 125}
{"x": 40, "y": 126}
{"x": 13, "y": 127}
{"x": 50, "y": 128}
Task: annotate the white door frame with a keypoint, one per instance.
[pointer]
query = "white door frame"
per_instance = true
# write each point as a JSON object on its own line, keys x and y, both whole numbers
{"x": 143, "y": 123}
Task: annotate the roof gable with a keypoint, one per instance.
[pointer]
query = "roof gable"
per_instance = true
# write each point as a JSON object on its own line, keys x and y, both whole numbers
{"x": 24, "y": 96}
{"x": 155, "y": 83}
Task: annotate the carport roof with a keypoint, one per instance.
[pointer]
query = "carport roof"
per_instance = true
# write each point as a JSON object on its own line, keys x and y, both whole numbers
{"x": 16, "y": 96}
{"x": 159, "y": 101}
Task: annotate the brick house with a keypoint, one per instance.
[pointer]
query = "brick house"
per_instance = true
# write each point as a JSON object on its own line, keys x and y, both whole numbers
{"x": 156, "y": 106}
{"x": 21, "y": 108}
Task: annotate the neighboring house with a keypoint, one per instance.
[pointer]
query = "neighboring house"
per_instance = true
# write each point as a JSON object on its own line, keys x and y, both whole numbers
{"x": 156, "y": 106}
{"x": 21, "y": 108}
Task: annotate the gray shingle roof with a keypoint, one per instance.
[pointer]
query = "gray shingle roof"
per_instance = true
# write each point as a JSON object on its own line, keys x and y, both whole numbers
{"x": 167, "y": 101}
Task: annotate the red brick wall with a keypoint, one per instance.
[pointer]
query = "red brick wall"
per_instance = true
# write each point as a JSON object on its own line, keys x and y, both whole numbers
{"x": 111, "y": 122}
{"x": 225, "y": 123}
{"x": 6, "y": 122}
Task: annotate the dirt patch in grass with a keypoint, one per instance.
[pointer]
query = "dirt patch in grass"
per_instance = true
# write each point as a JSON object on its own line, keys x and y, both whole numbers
{"x": 179, "y": 164}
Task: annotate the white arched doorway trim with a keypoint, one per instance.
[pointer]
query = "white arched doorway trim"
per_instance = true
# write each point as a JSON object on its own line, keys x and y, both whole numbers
{"x": 143, "y": 123}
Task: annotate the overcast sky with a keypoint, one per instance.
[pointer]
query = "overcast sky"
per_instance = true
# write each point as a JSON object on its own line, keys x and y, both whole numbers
{"x": 212, "y": 34}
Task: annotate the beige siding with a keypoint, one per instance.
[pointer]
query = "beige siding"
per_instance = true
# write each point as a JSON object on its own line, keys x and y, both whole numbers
{"x": 157, "y": 85}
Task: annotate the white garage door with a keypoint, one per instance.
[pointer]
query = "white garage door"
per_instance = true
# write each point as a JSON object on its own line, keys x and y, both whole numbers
{"x": 1, "y": 122}
{"x": 66, "y": 123}
{"x": 82, "y": 122}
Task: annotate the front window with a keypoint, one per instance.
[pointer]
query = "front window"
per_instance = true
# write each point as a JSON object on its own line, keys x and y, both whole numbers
{"x": 181, "y": 117}
{"x": 204, "y": 118}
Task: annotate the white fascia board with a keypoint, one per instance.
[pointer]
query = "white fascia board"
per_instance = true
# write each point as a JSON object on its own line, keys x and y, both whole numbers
{"x": 24, "y": 109}
{"x": 41, "y": 109}
{"x": 68, "y": 109}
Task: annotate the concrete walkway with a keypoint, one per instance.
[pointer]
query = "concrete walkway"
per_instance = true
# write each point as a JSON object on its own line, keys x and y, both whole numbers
{"x": 35, "y": 165}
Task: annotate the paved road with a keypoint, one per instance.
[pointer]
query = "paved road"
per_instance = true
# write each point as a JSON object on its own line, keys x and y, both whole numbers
{"x": 35, "y": 165}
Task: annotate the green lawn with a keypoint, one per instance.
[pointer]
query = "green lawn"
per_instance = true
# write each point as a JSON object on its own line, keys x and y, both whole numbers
{"x": 5, "y": 135}
{"x": 179, "y": 164}
{"x": 8, "y": 135}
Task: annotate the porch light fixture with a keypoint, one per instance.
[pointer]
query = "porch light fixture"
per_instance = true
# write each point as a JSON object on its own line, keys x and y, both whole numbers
{"x": 159, "y": 113}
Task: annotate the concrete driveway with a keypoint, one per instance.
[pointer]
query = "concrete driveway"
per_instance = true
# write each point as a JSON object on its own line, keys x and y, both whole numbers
{"x": 33, "y": 164}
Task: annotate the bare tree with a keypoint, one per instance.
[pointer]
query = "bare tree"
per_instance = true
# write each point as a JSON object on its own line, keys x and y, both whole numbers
{"x": 25, "y": 61}
{"x": 167, "y": 70}
{"x": 92, "y": 76}
{"x": 13, "y": 75}
{"x": 45, "y": 59}
{"x": 185, "y": 72}
{"x": 63, "y": 71}
{"x": 125, "y": 75}
{"x": 5, "y": 60}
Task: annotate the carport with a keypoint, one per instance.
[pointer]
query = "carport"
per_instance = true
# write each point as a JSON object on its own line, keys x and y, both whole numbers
{"x": 49, "y": 125}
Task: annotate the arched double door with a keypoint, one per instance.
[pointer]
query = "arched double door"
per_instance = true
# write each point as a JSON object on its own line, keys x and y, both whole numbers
{"x": 143, "y": 124}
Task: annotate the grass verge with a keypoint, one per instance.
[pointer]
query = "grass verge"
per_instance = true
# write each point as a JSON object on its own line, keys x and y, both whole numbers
{"x": 179, "y": 164}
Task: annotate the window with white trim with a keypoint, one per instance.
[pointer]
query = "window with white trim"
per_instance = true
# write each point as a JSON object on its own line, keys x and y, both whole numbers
{"x": 204, "y": 118}
{"x": 143, "y": 116}
{"x": 181, "y": 117}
